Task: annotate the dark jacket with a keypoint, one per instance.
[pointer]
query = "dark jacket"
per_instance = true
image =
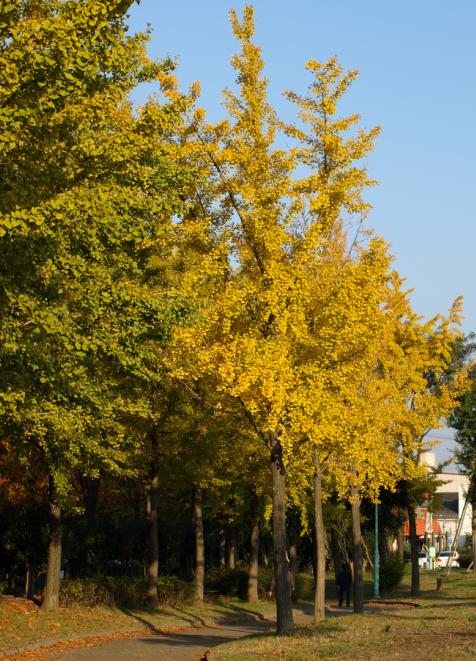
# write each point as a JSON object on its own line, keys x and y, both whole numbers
{"x": 344, "y": 577}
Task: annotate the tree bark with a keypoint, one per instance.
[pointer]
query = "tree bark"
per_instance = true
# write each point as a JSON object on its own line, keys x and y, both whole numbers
{"x": 90, "y": 488}
{"x": 11, "y": 581}
{"x": 221, "y": 545}
{"x": 314, "y": 555}
{"x": 415, "y": 589}
{"x": 338, "y": 557}
{"x": 52, "y": 588}
{"x": 284, "y": 610}
{"x": 473, "y": 536}
{"x": 400, "y": 542}
{"x": 320, "y": 589}
{"x": 254, "y": 551}
{"x": 153, "y": 525}
{"x": 264, "y": 554}
{"x": 199, "y": 579}
{"x": 27, "y": 592}
{"x": 30, "y": 579}
{"x": 293, "y": 559}
{"x": 292, "y": 528}
{"x": 383, "y": 545}
{"x": 357, "y": 554}
{"x": 231, "y": 548}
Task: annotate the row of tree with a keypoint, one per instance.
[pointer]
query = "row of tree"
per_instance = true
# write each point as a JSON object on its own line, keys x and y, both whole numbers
{"x": 194, "y": 304}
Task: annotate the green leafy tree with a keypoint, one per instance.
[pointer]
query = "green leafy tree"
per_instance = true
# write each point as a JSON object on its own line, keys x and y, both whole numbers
{"x": 463, "y": 419}
{"x": 89, "y": 188}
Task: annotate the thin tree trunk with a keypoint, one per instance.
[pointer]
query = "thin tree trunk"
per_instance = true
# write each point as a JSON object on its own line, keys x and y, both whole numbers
{"x": 52, "y": 588}
{"x": 383, "y": 545}
{"x": 153, "y": 524}
{"x": 11, "y": 581}
{"x": 27, "y": 580}
{"x": 338, "y": 557}
{"x": 231, "y": 548}
{"x": 293, "y": 559}
{"x": 199, "y": 579}
{"x": 292, "y": 528}
{"x": 357, "y": 554}
{"x": 415, "y": 589}
{"x": 285, "y": 621}
{"x": 254, "y": 551}
{"x": 81, "y": 566}
{"x": 320, "y": 589}
{"x": 473, "y": 540}
{"x": 314, "y": 555}
{"x": 31, "y": 580}
{"x": 400, "y": 542}
{"x": 264, "y": 554}
{"x": 222, "y": 545}
{"x": 90, "y": 488}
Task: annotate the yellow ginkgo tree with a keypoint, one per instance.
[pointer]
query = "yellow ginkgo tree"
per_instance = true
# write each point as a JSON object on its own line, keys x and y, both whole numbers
{"x": 404, "y": 389}
{"x": 275, "y": 240}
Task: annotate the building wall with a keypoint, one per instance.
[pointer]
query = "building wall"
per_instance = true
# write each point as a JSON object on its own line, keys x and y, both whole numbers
{"x": 458, "y": 483}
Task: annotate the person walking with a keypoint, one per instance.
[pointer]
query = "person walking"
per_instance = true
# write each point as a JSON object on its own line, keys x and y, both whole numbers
{"x": 344, "y": 583}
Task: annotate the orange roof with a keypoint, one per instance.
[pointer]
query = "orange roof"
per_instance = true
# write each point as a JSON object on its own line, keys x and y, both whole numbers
{"x": 421, "y": 526}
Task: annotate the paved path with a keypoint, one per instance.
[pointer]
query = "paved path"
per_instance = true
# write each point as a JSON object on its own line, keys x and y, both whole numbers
{"x": 187, "y": 645}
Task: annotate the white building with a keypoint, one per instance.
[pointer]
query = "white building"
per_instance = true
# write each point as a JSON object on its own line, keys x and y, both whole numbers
{"x": 452, "y": 497}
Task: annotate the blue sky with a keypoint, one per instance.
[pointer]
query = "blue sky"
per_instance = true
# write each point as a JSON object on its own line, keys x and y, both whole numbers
{"x": 417, "y": 81}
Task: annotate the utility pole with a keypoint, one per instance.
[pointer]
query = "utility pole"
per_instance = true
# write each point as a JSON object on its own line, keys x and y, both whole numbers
{"x": 376, "y": 557}
{"x": 432, "y": 545}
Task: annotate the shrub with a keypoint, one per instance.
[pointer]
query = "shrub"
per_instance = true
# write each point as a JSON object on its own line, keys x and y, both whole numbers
{"x": 123, "y": 592}
{"x": 227, "y": 582}
{"x": 304, "y": 587}
{"x": 172, "y": 591}
{"x": 391, "y": 573}
{"x": 234, "y": 582}
{"x": 465, "y": 558}
{"x": 109, "y": 591}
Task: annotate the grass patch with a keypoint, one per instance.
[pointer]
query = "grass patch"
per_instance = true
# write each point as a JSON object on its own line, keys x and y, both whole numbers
{"x": 443, "y": 627}
{"x": 23, "y": 623}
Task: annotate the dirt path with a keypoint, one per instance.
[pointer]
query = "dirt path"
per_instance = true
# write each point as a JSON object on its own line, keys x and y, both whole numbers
{"x": 187, "y": 645}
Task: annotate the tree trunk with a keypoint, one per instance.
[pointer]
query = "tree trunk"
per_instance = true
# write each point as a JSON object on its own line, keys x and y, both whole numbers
{"x": 27, "y": 580}
{"x": 400, "y": 542}
{"x": 473, "y": 505}
{"x": 11, "y": 581}
{"x": 222, "y": 545}
{"x": 254, "y": 551}
{"x": 81, "y": 565}
{"x": 30, "y": 579}
{"x": 231, "y": 548}
{"x": 320, "y": 589}
{"x": 338, "y": 556}
{"x": 153, "y": 524}
{"x": 90, "y": 488}
{"x": 415, "y": 589}
{"x": 199, "y": 579}
{"x": 314, "y": 555}
{"x": 293, "y": 559}
{"x": 264, "y": 554}
{"x": 52, "y": 588}
{"x": 383, "y": 545}
{"x": 292, "y": 528}
{"x": 284, "y": 610}
{"x": 357, "y": 555}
